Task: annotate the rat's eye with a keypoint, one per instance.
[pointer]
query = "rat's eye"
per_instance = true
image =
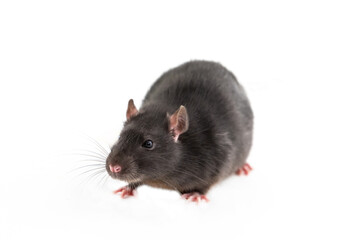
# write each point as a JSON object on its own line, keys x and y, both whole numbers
{"x": 148, "y": 144}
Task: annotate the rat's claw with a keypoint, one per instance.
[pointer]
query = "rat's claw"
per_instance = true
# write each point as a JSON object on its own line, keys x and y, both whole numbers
{"x": 125, "y": 192}
{"x": 194, "y": 197}
{"x": 246, "y": 169}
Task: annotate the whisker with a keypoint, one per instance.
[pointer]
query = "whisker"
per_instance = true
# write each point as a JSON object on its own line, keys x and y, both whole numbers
{"x": 92, "y": 176}
{"x": 100, "y": 147}
{"x": 92, "y": 160}
{"x": 87, "y": 166}
{"x": 91, "y": 170}
{"x": 99, "y": 154}
{"x": 92, "y": 166}
{"x": 89, "y": 155}
{"x": 98, "y": 179}
{"x": 99, "y": 176}
{"x": 104, "y": 179}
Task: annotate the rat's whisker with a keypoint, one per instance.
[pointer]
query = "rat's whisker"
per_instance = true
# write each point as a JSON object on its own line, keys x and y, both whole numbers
{"x": 99, "y": 154}
{"x": 99, "y": 146}
{"x": 92, "y": 176}
{"x": 92, "y": 170}
{"x": 90, "y": 155}
{"x": 104, "y": 179}
{"x": 88, "y": 166}
{"x": 99, "y": 178}
{"x": 93, "y": 160}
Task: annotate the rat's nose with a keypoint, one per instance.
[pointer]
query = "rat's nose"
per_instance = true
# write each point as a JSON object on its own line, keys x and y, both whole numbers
{"x": 115, "y": 169}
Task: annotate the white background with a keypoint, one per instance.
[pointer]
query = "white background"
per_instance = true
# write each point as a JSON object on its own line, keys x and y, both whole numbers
{"x": 68, "y": 68}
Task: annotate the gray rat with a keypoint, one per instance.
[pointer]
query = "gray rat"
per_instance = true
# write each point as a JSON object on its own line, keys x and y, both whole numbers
{"x": 194, "y": 129}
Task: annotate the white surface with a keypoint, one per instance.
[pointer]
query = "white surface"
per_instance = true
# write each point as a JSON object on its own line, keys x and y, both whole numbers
{"x": 68, "y": 68}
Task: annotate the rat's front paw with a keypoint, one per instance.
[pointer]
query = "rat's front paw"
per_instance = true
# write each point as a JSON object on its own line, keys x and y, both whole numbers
{"x": 194, "y": 197}
{"x": 125, "y": 192}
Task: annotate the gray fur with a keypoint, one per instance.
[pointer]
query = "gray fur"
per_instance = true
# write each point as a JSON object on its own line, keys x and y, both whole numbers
{"x": 215, "y": 145}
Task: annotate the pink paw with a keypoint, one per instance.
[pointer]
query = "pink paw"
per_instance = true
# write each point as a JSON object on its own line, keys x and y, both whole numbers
{"x": 244, "y": 169}
{"x": 194, "y": 197}
{"x": 125, "y": 192}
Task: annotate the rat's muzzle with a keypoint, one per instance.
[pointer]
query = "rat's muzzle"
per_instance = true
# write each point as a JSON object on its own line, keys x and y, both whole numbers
{"x": 120, "y": 166}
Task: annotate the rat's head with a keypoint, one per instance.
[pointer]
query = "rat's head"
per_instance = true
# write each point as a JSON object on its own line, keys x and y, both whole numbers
{"x": 148, "y": 146}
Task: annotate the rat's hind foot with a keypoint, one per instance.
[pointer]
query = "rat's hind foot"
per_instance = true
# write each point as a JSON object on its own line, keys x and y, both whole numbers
{"x": 125, "y": 192}
{"x": 194, "y": 197}
{"x": 244, "y": 169}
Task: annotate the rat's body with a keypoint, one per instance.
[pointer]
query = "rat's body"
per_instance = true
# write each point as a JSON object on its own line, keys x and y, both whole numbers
{"x": 204, "y": 141}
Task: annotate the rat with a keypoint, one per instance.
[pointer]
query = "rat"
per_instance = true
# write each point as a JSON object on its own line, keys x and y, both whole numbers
{"x": 193, "y": 129}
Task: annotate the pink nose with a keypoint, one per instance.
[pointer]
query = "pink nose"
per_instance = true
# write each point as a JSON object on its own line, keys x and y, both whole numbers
{"x": 115, "y": 169}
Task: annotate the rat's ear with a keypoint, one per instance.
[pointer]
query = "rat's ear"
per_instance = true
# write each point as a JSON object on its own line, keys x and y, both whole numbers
{"x": 131, "y": 111}
{"x": 178, "y": 122}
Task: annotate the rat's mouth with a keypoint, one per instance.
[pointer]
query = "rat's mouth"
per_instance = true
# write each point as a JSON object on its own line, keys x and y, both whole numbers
{"x": 123, "y": 176}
